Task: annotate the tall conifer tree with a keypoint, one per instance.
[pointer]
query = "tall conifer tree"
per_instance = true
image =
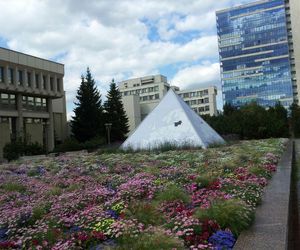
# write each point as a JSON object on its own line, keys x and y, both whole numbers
{"x": 88, "y": 120}
{"x": 115, "y": 113}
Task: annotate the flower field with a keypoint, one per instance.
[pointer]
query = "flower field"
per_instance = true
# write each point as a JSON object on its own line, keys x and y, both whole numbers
{"x": 184, "y": 199}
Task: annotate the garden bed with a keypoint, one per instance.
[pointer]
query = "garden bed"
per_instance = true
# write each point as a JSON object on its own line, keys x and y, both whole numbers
{"x": 197, "y": 199}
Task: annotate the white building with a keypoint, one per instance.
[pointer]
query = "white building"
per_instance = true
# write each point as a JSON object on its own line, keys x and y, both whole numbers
{"x": 141, "y": 95}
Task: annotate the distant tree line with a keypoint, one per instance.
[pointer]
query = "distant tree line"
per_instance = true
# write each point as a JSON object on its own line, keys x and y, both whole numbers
{"x": 91, "y": 116}
{"x": 252, "y": 121}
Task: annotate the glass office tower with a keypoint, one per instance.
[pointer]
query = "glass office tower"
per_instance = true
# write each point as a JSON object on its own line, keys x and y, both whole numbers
{"x": 254, "y": 54}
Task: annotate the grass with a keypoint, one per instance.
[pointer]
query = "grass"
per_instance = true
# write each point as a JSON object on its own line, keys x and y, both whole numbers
{"x": 172, "y": 193}
{"x": 13, "y": 187}
{"x": 232, "y": 214}
{"x": 149, "y": 241}
{"x": 145, "y": 213}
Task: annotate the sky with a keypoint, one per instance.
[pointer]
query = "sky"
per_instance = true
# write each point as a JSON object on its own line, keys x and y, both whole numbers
{"x": 119, "y": 39}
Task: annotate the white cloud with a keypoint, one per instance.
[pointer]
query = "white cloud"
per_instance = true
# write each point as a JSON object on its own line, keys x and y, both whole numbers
{"x": 199, "y": 75}
{"x": 112, "y": 38}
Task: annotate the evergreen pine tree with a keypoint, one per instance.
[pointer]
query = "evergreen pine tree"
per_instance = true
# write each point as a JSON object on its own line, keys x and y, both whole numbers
{"x": 88, "y": 120}
{"x": 115, "y": 113}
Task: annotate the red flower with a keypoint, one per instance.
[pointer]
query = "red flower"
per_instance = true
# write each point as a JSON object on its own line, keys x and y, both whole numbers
{"x": 98, "y": 235}
{"x": 35, "y": 242}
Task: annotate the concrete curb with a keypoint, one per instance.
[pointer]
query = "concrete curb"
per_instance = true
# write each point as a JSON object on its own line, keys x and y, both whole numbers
{"x": 270, "y": 229}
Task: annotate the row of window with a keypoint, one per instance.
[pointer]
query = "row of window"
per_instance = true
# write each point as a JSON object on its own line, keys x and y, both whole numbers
{"x": 201, "y": 109}
{"x": 28, "y": 102}
{"x": 7, "y": 100}
{"x": 34, "y": 103}
{"x": 194, "y": 94}
{"x": 141, "y": 91}
{"x": 149, "y": 97}
{"x": 39, "y": 81}
{"x": 196, "y": 102}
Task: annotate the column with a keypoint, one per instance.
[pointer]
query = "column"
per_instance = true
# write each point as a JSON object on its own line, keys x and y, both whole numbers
{"x": 48, "y": 83}
{"x": 41, "y": 81}
{"x": 16, "y": 76}
{"x": 25, "y": 80}
{"x": 6, "y": 75}
{"x": 19, "y": 123}
{"x": 33, "y": 80}
{"x": 55, "y": 84}
{"x": 50, "y": 126}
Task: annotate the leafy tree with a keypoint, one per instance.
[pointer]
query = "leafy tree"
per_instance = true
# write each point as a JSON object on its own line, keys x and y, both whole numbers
{"x": 88, "y": 120}
{"x": 115, "y": 113}
{"x": 278, "y": 125}
{"x": 295, "y": 119}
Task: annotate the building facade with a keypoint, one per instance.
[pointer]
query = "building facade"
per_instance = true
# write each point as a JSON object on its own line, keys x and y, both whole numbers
{"x": 150, "y": 90}
{"x": 32, "y": 99}
{"x": 141, "y": 95}
{"x": 202, "y": 101}
{"x": 257, "y": 53}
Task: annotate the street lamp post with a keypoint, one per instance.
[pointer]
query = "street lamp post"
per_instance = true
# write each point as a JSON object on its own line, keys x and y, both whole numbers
{"x": 108, "y": 128}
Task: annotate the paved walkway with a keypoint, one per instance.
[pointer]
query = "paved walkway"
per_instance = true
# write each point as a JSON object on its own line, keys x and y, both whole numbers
{"x": 270, "y": 229}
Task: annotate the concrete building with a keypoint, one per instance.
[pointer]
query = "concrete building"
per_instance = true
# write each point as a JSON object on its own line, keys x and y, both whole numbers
{"x": 259, "y": 47}
{"x": 141, "y": 95}
{"x": 202, "y": 101}
{"x": 32, "y": 99}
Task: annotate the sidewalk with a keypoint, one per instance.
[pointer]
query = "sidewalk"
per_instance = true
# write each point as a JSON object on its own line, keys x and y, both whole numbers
{"x": 270, "y": 229}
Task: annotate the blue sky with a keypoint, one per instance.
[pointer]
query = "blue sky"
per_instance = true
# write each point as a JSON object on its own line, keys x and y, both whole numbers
{"x": 119, "y": 39}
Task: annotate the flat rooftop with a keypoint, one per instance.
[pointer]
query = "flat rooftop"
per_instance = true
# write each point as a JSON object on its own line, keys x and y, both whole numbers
{"x": 242, "y": 6}
{"x": 20, "y": 58}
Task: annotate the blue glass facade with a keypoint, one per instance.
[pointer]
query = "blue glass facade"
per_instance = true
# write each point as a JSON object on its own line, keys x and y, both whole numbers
{"x": 254, "y": 54}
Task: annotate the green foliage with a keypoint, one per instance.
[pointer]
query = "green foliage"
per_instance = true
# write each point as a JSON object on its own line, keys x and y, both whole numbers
{"x": 233, "y": 214}
{"x": 295, "y": 119}
{"x": 149, "y": 241}
{"x": 20, "y": 147}
{"x": 115, "y": 114}
{"x": 172, "y": 193}
{"x": 251, "y": 121}
{"x": 55, "y": 191}
{"x": 88, "y": 120}
{"x": 71, "y": 144}
{"x": 145, "y": 213}
{"x": 260, "y": 171}
{"x": 38, "y": 213}
{"x": 13, "y": 187}
{"x": 205, "y": 180}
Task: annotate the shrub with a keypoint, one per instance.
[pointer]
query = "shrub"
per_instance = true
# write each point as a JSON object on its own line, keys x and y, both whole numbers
{"x": 71, "y": 144}
{"x": 172, "y": 193}
{"x": 13, "y": 150}
{"x": 233, "y": 214}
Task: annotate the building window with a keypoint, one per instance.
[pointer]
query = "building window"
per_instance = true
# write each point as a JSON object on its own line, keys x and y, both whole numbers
{"x": 44, "y": 82}
{"x": 58, "y": 84}
{"x": 51, "y": 84}
{"x": 34, "y": 103}
{"x": 28, "y": 79}
{"x": 20, "y": 77}
{"x": 186, "y": 95}
{"x": 156, "y": 96}
{"x": 11, "y": 76}
{"x": 4, "y": 98}
{"x": 37, "y": 81}
{"x": 1, "y": 74}
{"x": 206, "y": 108}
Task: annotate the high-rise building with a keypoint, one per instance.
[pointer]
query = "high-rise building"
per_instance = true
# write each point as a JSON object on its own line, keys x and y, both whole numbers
{"x": 141, "y": 95}
{"x": 259, "y": 48}
{"x": 32, "y": 99}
